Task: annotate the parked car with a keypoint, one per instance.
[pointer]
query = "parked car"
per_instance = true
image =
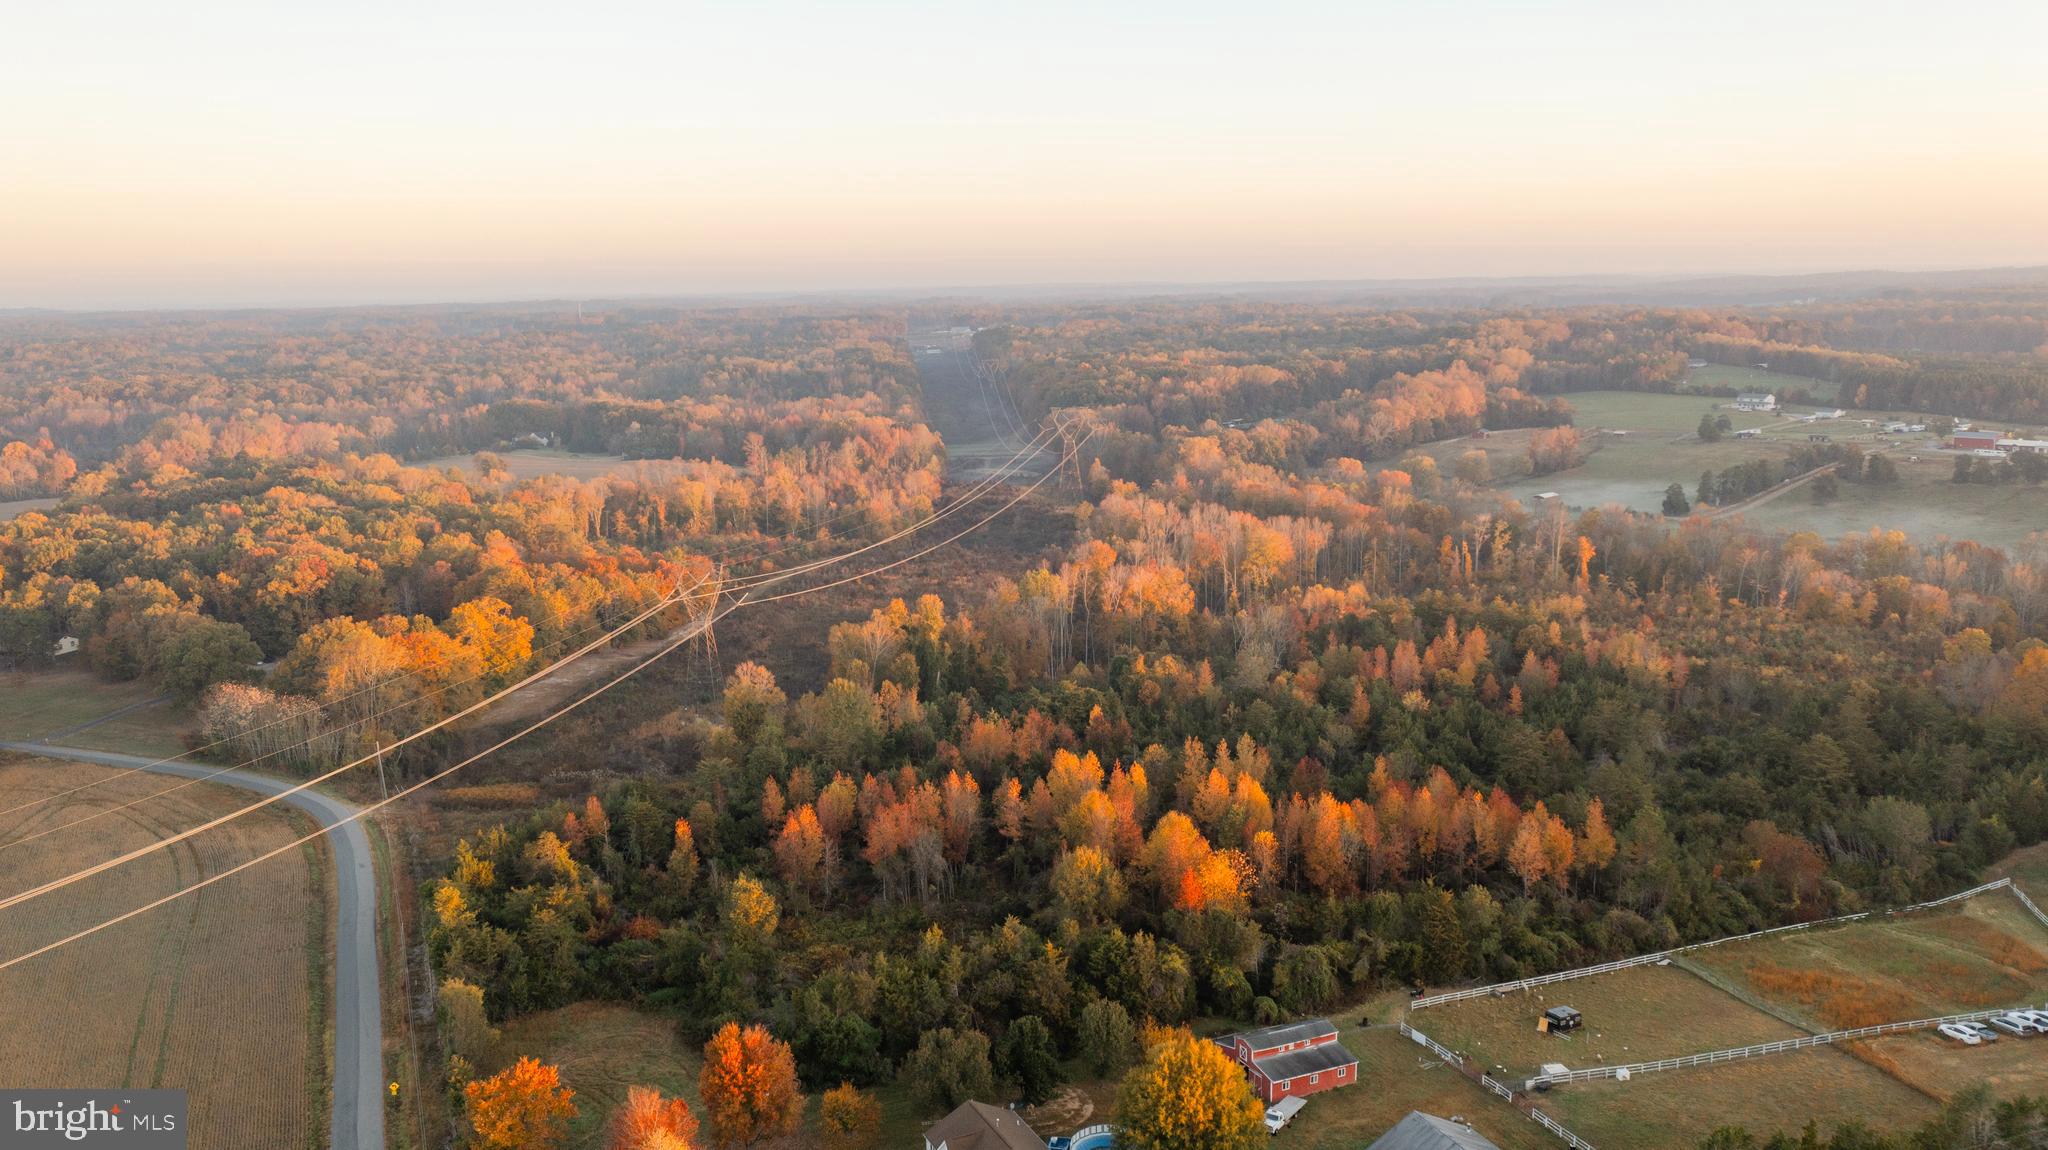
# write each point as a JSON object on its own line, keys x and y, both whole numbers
{"x": 1984, "y": 1032}
{"x": 1960, "y": 1033}
{"x": 2015, "y": 1029}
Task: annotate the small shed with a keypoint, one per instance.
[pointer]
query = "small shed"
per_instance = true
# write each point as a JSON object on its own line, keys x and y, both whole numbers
{"x": 1562, "y": 1018}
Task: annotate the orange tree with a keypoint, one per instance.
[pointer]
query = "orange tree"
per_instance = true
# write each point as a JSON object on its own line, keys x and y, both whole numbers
{"x": 524, "y": 1107}
{"x": 1187, "y": 1095}
{"x": 748, "y": 1085}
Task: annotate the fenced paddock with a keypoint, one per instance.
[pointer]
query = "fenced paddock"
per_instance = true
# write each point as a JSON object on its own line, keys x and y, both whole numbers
{"x": 1523, "y": 984}
{"x": 1989, "y": 954}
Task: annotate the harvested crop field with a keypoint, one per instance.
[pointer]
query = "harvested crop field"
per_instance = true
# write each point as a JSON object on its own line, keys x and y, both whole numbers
{"x": 1984, "y": 953}
{"x": 1634, "y": 1015}
{"x": 1781, "y": 1091}
{"x": 217, "y": 993}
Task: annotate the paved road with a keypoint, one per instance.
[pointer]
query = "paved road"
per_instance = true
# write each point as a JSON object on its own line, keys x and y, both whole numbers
{"x": 358, "y": 1120}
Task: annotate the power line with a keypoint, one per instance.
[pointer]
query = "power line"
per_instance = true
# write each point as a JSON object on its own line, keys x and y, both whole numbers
{"x": 494, "y": 748}
{"x": 676, "y": 596}
{"x": 395, "y": 678}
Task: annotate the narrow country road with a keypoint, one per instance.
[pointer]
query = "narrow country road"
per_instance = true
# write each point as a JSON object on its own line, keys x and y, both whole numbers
{"x": 358, "y": 1096}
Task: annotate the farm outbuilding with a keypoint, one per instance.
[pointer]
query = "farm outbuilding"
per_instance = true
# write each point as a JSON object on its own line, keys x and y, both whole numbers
{"x": 1756, "y": 401}
{"x": 1419, "y": 1131}
{"x": 1293, "y": 1060}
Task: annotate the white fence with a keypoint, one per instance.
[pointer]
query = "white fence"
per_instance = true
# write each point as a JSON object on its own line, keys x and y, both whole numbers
{"x": 1435, "y": 1047}
{"x": 1645, "y": 959}
{"x": 1507, "y": 1092}
{"x": 1762, "y": 1048}
{"x": 2029, "y": 904}
{"x": 1551, "y": 1124}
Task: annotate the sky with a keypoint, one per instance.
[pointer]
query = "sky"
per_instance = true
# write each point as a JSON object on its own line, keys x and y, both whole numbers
{"x": 214, "y": 153}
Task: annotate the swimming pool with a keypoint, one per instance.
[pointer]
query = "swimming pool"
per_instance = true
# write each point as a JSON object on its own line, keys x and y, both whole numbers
{"x": 1093, "y": 1138}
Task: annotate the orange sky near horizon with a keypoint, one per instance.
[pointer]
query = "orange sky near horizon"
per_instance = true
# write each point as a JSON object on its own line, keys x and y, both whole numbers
{"x": 240, "y": 155}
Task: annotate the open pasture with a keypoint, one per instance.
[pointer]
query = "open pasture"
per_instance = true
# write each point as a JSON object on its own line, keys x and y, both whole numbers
{"x": 1633, "y": 1015}
{"x": 1639, "y": 443}
{"x": 1986, "y": 952}
{"x": 1679, "y": 1108}
{"x": 534, "y": 464}
{"x": 218, "y": 993}
{"x": 72, "y": 706}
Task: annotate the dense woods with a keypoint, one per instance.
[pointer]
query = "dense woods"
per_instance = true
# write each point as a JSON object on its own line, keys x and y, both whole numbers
{"x": 1291, "y": 717}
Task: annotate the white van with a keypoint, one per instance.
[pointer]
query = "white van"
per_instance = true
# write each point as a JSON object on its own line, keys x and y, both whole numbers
{"x": 1282, "y": 1112}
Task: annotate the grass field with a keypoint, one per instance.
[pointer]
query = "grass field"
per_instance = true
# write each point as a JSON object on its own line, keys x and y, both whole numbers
{"x": 1394, "y": 1077}
{"x": 1633, "y": 1015}
{"x": 1716, "y": 376}
{"x": 37, "y": 705}
{"x": 1678, "y": 1108}
{"x": 13, "y": 507}
{"x": 1638, "y": 443}
{"x": 215, "y": 993}
{"x": 533, "y": 464}
{"x": 1987, "y": 952}
{"x": 1925, "y": 503}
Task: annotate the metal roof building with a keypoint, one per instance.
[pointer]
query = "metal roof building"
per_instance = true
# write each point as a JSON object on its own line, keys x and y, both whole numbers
{"x": 1421, "y": 1131}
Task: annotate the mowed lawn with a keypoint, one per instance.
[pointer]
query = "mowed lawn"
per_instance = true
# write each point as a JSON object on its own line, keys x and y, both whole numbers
{"x": 1987, "y": 952}
{"x": 1633, "y": 1015}
{"x": 1677, "y": 1108}
{"x": 221, "y": 993}
{"x": 39, "y": 704}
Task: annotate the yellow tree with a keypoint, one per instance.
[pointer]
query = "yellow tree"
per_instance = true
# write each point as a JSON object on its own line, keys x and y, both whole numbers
{"x": 525, "y": 1107}
{"x": 850, "y": 1119}
{"x": 748, "y": 1085}
{"x": 1187, "y": 1095}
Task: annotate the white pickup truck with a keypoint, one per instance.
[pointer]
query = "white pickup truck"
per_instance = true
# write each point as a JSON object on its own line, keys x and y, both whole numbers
{"x": 1282, "y": 1112}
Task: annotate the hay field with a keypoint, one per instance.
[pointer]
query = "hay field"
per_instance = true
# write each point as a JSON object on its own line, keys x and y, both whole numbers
{"x": 219, "y": 993}
{"x": 1633, "y": 1015}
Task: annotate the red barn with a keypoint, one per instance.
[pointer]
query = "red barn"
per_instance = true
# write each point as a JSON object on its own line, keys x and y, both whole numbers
{"x": 1972, "y": 440}
{"x": 1293, "y": 1060}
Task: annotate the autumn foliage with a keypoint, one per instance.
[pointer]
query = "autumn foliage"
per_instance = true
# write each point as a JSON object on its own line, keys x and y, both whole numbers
{"x": 1187, "y": 1094}
{"x": 524, "y": 1107}
{"x": 749, "y": 1086}
{"x": 647, "y": 1121}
